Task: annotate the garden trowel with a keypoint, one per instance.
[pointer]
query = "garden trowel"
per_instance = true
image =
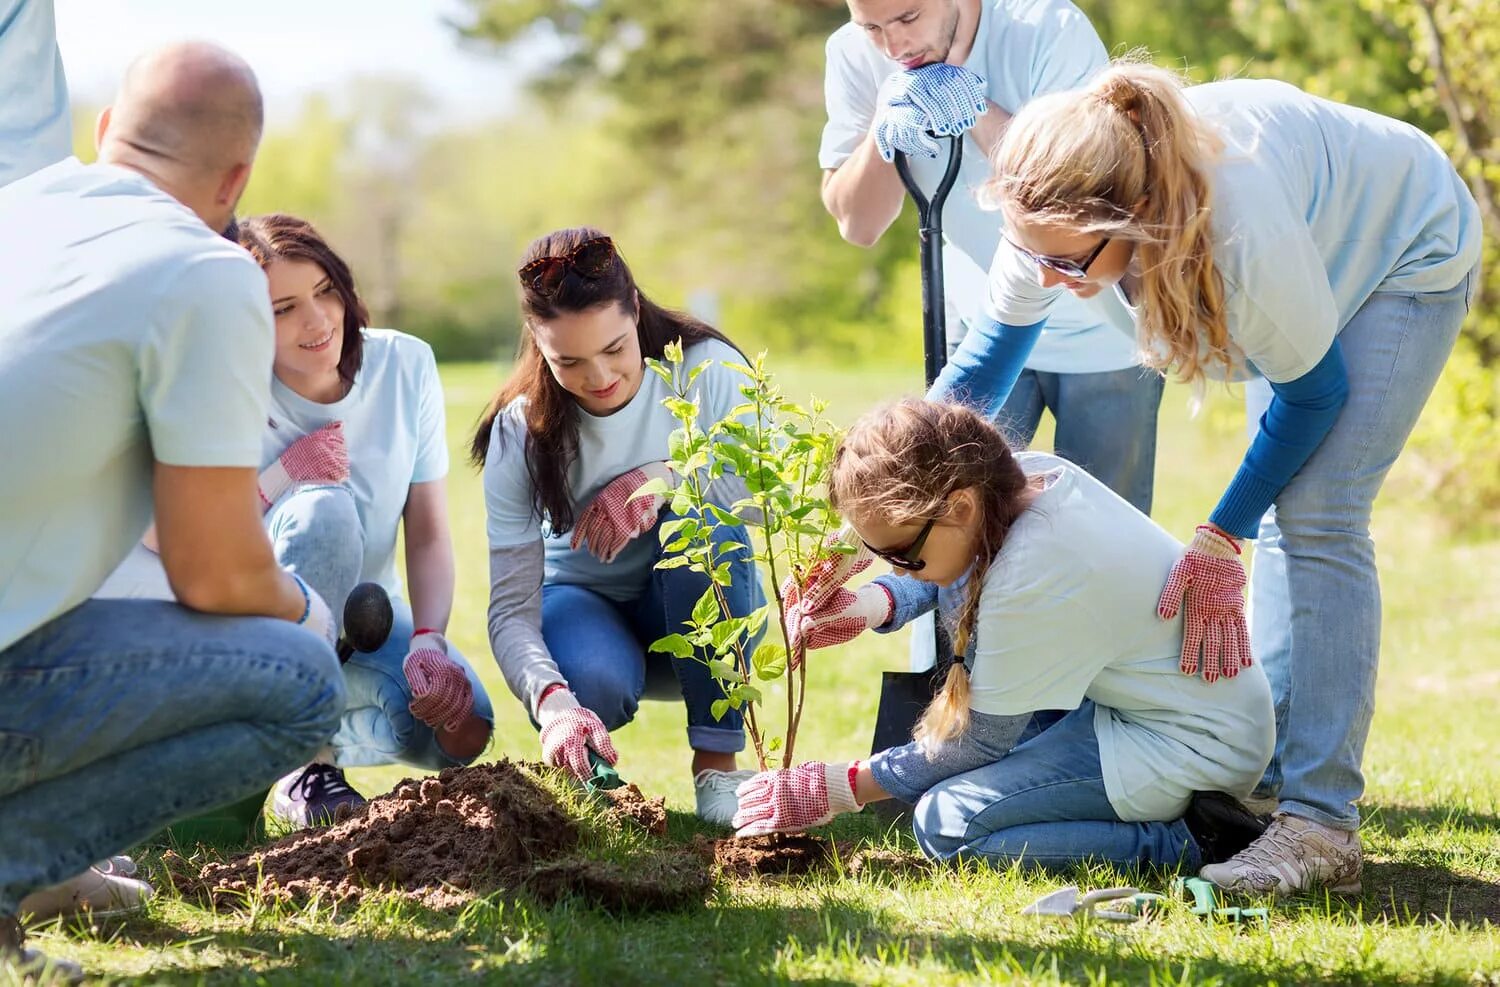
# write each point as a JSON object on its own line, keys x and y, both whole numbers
{"x": 1130, "y": 904}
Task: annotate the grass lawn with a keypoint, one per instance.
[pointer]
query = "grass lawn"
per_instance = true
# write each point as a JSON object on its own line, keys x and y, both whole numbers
{"x": 1429, "y": 912}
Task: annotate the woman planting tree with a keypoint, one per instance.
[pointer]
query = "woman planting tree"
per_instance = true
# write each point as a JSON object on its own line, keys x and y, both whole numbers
{"x": 1055, "y": 570}
{"x": 576, "y": 598}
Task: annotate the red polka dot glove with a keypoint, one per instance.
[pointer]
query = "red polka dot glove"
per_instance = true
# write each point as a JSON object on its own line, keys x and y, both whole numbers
{"x": 569, "y": 731}
{"x": 318, "y": 458}
{"x": 617, "y": 516}
{"x": 1207, "y": 586}
{"x": 441, "y": 695}
{"x": 822, "y": 612}
{"x": 794, "y": 799}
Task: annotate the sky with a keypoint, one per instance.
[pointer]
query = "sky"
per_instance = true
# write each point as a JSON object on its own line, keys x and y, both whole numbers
{"x": 298, "y": 47}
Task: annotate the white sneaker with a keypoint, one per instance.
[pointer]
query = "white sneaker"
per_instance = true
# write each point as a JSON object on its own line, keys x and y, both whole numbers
{"x": 1294, "y": 854}
{"x": 714, "y": 790}
{"x": 94, "y": 891}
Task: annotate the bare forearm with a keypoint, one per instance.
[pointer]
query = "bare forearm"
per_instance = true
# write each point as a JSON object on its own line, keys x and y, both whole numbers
{"x": 990, "y": 128}
{"x": 429, "y": 578}
{"x": 864, "y": 195}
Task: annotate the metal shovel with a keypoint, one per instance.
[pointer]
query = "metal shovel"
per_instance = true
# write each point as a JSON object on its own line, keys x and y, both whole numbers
{"x": 1133, "y": 906}
{"x": 904, "y": 695}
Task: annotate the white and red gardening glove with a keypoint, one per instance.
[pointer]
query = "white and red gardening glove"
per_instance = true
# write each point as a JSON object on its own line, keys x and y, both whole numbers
{"x": 822, "y": 612}
{"x": 569, "y": 731}
{"x": 794, "y": 799}
{"x": 617, "y": 516}
{"x": 318, "y": 457}
{"x": 1207, "y": 586}
{"x": 441, "y": 695}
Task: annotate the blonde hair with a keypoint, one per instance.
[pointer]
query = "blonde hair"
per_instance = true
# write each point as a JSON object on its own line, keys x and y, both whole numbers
{"x": 1127, "y": 158}
{"x": 900, "y": 463}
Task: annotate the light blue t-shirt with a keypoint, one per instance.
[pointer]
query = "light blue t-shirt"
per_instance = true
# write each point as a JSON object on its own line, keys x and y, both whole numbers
{"x": 394, "y": 429}
{"x": 608, "y": 448}
{"x": 1316, "y": 206}
{"x": 129, "y": 332}
{"x": 1022, "y": 49}
{"x": 35, "y": 128}
{"x": 1068, "y": 612}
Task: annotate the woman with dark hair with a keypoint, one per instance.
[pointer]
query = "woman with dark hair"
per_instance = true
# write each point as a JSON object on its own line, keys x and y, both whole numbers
{"x": 576, "y": 598}
{"x": 356, "y": 447}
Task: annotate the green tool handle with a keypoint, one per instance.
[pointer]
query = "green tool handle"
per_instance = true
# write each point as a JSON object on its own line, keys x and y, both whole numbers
{"x": 605, "y": 776}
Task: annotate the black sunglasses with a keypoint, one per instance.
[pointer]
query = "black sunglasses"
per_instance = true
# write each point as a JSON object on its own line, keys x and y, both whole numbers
{"x": 590, "y": 259}
{"x": 1067, "y": 268}
{"x": 905, "y": 557}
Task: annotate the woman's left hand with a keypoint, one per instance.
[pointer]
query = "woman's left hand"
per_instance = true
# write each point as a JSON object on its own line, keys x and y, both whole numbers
{"x": 441, "y": 695}
{"x": 617, "y": 516}
{"x": 1207, "y": 586}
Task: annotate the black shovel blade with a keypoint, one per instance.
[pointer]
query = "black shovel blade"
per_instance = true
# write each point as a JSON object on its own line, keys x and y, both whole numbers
{"x": 903, "y": 697}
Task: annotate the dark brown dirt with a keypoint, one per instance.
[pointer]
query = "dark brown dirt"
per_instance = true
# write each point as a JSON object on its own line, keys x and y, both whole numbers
{"x": 659, "y": 882}
{"x": 628, "y": 805}
{"x": 868, "y": 863}
{"x": 783, "y": 854}
{"x": 443, "y": 840}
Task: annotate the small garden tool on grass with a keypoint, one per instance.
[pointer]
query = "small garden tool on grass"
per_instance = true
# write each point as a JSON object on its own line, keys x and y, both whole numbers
{"x": 1127, "y": 904}
{"x": 604, "y": 776}
{"x": 904, "y": 695}
{"x": 1205, "y": 898}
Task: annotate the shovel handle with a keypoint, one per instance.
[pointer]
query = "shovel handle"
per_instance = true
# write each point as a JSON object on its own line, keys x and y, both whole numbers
{"x": 605, "y": 776}
{"x": 930, "y": 229}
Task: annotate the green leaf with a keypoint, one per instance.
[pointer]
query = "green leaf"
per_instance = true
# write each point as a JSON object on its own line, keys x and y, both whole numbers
{"x": 723, "y": 516}
{"x": 723, "y": 670}
{"x": 774, "y": 744}
{"x": 745, "y": 694}
{"x": 719, "y": 708}
{"x": 726, "y": 632}
{"x": 674, "y": 562}
{"x": 706, "y": 610}
{"x": 654, "y": 487}
{"x": 769, "y": 662}
{"x": 757, "y": 620}
{"x": 673, "y": 351}
{"x": 675, "y": 645}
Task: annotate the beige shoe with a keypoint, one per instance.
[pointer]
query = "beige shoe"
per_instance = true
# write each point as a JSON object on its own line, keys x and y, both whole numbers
{"x": 94, "y": 891}
{"x": 1294, "y": 854}
{"x": 714, "y": 793}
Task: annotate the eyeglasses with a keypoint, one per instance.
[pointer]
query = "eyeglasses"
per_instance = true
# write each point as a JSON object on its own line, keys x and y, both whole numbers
{"x": 905, "y": 557}
{"x": 1067, "y": 268}
{"x": 590, "y": 259}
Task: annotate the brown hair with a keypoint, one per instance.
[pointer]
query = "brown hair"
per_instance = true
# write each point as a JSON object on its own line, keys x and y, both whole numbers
{"x": 900, "y": 463}
{"x": 278, "y": 236}
{"x": 551, "y": 412}
{"x": 1127, "y": 158}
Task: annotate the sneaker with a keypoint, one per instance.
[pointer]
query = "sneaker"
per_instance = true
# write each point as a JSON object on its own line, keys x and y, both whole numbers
{"x": 31, "y": 966}
{"x": 714, "y": 790}
{"x": 1262, "y": 805}
{"x": 1294, "y": 854}
{"x": 96, "y": 892}
{"x": 316, "y": 795}
{"x": 1221, "y": 825}
{"x": 118, "y": 865}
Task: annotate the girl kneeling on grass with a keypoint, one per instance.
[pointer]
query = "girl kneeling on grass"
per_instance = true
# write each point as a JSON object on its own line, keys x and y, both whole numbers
{"x": 576, "y": 598}
{"x": 1057, "y": 573}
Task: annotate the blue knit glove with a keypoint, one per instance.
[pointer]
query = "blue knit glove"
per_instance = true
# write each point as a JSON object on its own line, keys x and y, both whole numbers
{"x": 950, "y": 96}
{"x": 903, "y": 128}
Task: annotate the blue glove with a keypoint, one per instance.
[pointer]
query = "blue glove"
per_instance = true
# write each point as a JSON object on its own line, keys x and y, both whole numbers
{"x": 903, "y": 128}
{"x": 950, "y": 96}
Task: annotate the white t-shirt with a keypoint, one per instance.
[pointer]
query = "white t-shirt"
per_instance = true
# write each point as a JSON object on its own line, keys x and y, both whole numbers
{"x": 1068, "y": 613}
{"x": 1316, "y": 206}
{"x": 129, "y": 332}
{"x": 608, "y": 447}
{"x": 394, "y": 430}
{"x": 35, "y": 127}
{"x": 1022, "y": 49}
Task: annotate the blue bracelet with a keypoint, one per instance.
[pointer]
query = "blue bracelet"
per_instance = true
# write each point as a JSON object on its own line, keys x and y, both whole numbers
{"x": 306, "y": 598}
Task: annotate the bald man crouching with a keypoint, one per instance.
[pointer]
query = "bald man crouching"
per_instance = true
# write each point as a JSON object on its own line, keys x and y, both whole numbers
{"x": 135, "y": 347}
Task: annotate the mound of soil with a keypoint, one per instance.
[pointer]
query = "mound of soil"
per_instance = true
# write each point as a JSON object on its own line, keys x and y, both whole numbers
{"x": 628, "y": 805}
{"x": 443, "y": 840}
{"x": 784, "y": 854}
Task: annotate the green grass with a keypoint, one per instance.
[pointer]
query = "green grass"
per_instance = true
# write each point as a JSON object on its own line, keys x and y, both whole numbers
{"x": 1432, "y": 883}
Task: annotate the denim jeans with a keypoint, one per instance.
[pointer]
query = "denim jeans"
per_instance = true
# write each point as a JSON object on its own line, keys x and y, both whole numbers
{"x": 122, "y": 716}
{"x": 1314, "y": 590}
{"x": 316, "y": 533}
{"x": 600, "y": 646}
{"x": 1045, "y": 803}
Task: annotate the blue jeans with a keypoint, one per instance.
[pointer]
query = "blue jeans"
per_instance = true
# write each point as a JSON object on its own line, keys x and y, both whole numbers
{"x": 1106, "y": 423}
{"x": 1045, "y": 803}
{"x": 600, "y": 646}
{"x": 1314, "y": 590}
{"x": 122, "y": 716}
{"x": 316, "y": 533}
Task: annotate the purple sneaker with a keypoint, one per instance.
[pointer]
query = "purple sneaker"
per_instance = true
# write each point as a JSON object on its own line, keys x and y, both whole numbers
{"x": 316, "y": 795}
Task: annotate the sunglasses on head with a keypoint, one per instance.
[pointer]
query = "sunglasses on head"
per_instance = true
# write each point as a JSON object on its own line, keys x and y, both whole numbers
{"x": 905, "y": 557}
{"x": 591, "y": 259}
{"x": 1062, "y": 265}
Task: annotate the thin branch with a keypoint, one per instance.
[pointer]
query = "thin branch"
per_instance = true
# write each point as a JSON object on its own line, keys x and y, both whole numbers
{"x": 1464, "y": 135}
